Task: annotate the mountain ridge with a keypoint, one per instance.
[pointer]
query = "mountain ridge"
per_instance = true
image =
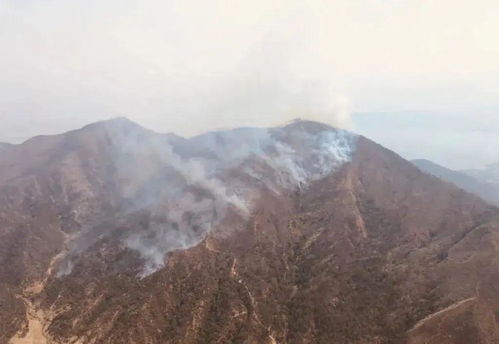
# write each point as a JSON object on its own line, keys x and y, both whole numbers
{"x": 488, "y": 191}
{"x": 295, "y": 234}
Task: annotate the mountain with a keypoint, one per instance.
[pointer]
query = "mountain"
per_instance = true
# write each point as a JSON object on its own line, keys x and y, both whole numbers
{"x": 5, "y": 146}
{"x": 482, "y": 187}
{"x": 489, "y": 174}
{"x": 296, "y": 234}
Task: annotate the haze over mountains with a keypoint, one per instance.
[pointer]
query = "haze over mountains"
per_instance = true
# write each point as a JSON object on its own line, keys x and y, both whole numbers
{"x": 490, "y": 174}
{"x": 294, "y": 234}
{"x": 5, "y": 146}
{"x": 484, "y": 183}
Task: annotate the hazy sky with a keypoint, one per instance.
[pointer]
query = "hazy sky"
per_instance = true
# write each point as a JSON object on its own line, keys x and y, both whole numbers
{"x": 426, "y": 71}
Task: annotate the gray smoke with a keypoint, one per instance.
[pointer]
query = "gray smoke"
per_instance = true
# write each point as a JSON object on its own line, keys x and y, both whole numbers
{"x": 187, "y": 186}
{"x": 207, "y": 191}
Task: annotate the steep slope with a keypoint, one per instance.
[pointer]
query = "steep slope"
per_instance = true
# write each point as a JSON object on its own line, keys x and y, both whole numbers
{"x": 66, "y": 192}
{"x": 487, "y": 190}
{"x": 297, "y": 234}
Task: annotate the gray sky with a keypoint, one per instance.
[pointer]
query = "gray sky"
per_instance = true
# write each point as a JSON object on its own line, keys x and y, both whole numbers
{"x": 426, "y": 72}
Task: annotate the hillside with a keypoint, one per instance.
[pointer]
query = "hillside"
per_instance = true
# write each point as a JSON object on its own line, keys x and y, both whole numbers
{"x": 296, "y": 234}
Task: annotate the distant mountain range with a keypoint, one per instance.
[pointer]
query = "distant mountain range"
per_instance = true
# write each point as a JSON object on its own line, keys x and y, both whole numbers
{"x": 489, "y": 174}
{"x": 484, "y": 183}
{"x": 4, "y": 146}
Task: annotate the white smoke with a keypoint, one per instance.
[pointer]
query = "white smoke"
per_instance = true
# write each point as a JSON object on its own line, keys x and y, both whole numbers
{"x": 293, "y": 158}
{"x": 188, "y": 186}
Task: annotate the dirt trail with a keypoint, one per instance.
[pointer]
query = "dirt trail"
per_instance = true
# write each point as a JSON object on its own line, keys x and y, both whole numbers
{"x": 451, "y": 307}
{"x": 36, "y": 316}
{"x": 35, "y": 333}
